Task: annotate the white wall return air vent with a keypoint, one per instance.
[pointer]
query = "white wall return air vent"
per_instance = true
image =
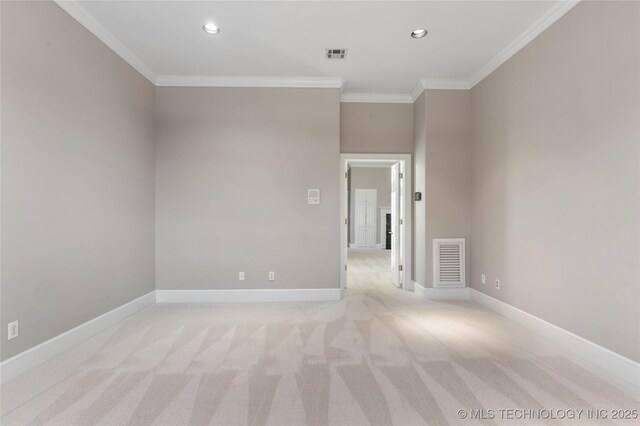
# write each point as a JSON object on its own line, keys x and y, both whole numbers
{"x": 448, "y": 262}
{"x": 336, "y": 53}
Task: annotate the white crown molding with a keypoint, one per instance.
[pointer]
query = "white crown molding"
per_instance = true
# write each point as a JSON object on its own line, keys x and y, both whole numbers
{"x": 382, "y": 98}
{"x": 75, "y": 10}
{"x": 233, "y": 81}
{"x": 447, "y": 84}
{"x": 439, "y": 84}
{"x": 556, "y": 12}
{"x": 249, "y": 295}
{"x": 80, "y": 14}
{"x": 417, "y": 91}
{"x": 622, "y": 368}
{"x": 38, "y": 354}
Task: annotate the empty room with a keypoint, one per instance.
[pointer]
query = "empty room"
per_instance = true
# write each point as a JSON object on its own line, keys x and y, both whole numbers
{"x": 319, "y": 212}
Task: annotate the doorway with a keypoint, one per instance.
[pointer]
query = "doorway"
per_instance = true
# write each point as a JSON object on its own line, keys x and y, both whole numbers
{"x": 376, "y": 223}
{"x": 386, "y": 231}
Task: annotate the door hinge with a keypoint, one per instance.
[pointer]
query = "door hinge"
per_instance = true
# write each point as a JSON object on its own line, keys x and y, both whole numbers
{"x": 401, "y": 175}
{"x": 346, "y": 175}
{"x": 345, "y": 268}
{"x": 346, "y": 221}
{"x": 400, "y": 268}
{"x": 401, "y": 222}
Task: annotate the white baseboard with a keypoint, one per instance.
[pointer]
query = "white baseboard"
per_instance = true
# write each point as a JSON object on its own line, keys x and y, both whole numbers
{"x": 36, "y": 355}
{"x": 411, "y": 286}
{"x": 418, "y": 289}
{"x": 615, "y": 364}
{"x": 24, "y": 361}
{"x": 460, "y": 293}
{"x": 247, "y": 296}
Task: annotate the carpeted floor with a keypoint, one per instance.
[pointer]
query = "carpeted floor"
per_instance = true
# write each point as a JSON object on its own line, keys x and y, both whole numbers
{"x": 379, "y": 356}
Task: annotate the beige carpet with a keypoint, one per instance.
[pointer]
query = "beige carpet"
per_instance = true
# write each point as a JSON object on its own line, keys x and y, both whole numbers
{"x": 379, "y": 356}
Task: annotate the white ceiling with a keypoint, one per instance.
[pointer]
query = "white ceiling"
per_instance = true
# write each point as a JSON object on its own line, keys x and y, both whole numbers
{"x": 165, "y": 40}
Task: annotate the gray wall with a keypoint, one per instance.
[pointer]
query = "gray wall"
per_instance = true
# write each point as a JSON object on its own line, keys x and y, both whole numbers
{"x": 77, "y": 176}
{"x": 378, "y": 178}
{"x": 441, "y": 164}
{"x": 233, "y": 166}
{"x": 556, "y": 175}
{"x": 376, "y": 128}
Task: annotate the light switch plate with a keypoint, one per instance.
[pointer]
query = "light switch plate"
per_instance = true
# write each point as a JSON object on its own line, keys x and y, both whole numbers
{"x": 313, "y": 196}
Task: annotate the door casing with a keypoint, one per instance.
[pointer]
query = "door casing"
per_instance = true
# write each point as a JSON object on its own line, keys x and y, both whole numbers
{"x": 406, "y": 210}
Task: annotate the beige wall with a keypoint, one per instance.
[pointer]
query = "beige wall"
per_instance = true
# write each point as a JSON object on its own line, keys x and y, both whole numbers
{"x": 376, "y": 128}
{"x": 419, "y": 211}
{"x": 233, "y": 168}
{"x": 549, "y": 187}
{"x": 447, "y": 158}
{"x": 378, "y": 178}
{"x": 77, "y": 176}
{"x": 556, "y": 174}
{"x": 441, "y": 164}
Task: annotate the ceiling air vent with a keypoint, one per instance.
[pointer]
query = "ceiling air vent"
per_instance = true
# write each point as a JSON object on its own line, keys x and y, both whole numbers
{"x": 448, "y": 262}
{"x": 336, "y": 53}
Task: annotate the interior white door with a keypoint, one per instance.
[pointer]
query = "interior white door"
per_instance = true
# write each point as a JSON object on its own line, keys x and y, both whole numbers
{"x": 365, "y": 218}
{"x": 395, "y": 225}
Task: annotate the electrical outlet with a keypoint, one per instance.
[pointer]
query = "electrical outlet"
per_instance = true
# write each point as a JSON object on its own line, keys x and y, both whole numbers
{"x": 241, "y": 276}
{"x": 12, "y": 330}
{"x": 483, "y": 279}
{"x": 272, "y": 275}
{"x": 498, "y": 284}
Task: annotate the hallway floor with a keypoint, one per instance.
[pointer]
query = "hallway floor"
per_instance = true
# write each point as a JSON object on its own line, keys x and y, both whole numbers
{"x": 369, "y": 269}
{"x": 379, "y": 356}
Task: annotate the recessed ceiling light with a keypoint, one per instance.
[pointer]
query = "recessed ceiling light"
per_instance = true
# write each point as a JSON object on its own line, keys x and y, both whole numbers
{"x": 419, "y": 33}
{"x": 211, "y": 28}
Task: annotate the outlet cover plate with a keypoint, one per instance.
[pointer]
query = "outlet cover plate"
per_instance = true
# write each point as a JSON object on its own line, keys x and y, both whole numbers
{"x": 12, "y": 330}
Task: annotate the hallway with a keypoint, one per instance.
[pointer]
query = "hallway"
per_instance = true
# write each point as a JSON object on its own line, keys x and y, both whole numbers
{"x": 369, "y": 269}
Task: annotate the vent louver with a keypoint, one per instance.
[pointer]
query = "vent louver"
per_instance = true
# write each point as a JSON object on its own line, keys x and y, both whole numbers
{"x": 336, "y": 53}
{"x": 448, "y": 262}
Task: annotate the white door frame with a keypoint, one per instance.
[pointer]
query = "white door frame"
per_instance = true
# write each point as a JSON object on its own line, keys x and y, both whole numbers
{"x": 407, "y": 226}
{"x": 396, "y": 220}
